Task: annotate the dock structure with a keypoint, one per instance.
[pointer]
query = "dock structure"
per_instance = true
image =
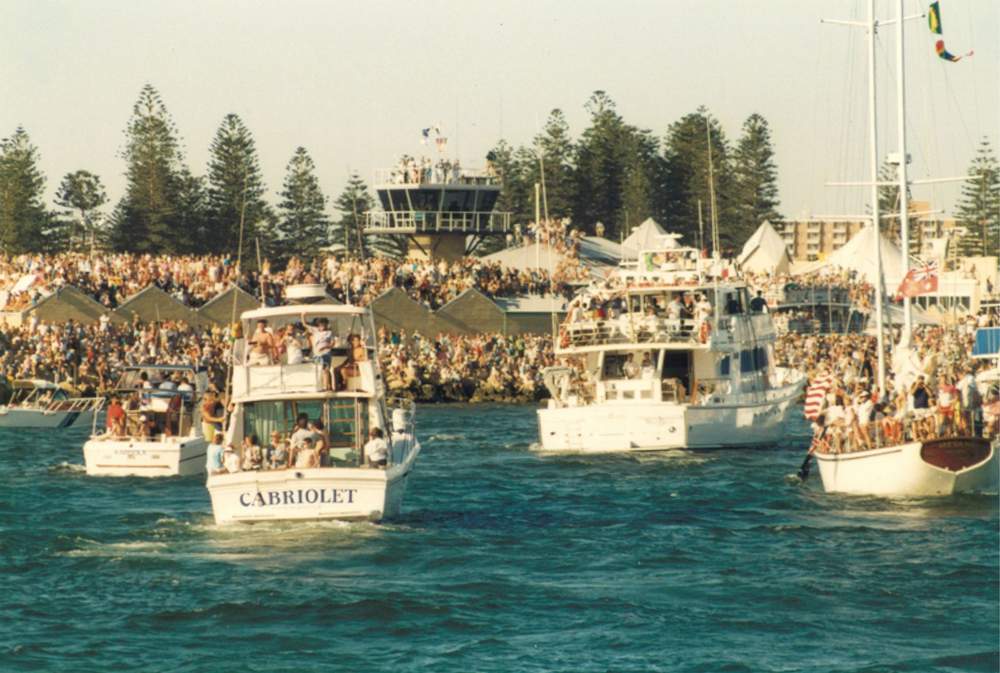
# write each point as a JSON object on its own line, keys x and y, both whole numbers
{"x": 443, "y": 214}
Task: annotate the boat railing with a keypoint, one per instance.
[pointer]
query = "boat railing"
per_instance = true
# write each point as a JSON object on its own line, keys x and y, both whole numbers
{"x": 917, "y": 426}
{"x": 625, "y": 330}
{"x": 627, "y": 390}
{"x": 304, "y": 377}
{"x": 74, "y": 405}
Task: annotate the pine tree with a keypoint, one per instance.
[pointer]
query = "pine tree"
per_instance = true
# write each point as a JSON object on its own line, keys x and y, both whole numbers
{"x": 755, "y": 180}
{"x": 353, "y": 203}
{"x": 979, "y": 208}
{"x": 191, "y": 214}
{"x": 303, "y": 226}
{"x": 641, "y": 175}
{"x": 555, "y": 147}
{"x": 599, "y": 170}
{"x": 24, "y": 221}
{"x": 517, "y": 182}
{"x": 686, "y": 178}
{"x": 144, "y": 221}
{"x": 81, "y": 194}
{"x": 235, "y": 190}
{"x": 617, "y": 170}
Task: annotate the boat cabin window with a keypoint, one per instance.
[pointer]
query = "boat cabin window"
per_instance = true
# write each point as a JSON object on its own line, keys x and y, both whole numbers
{"x": 753, "y": 360}
{"x": 732, "y": 302}
{"x": 345, "y": 422}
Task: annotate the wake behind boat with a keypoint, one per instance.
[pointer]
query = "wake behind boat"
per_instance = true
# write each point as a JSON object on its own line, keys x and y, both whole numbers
{"x": 672, "y": 353}
{"x": 154, "y": 425}
{"x": 310, "y": 435}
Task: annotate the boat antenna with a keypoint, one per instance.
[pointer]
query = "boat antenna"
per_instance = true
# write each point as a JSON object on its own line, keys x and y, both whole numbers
{"x": 239, "y": 263}
{"x": 701, "y": 230}
{"x": 260, "y": 266}
{"x": 711, "y": 190}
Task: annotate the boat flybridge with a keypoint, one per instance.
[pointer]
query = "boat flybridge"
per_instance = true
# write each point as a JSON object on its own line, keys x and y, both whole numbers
{"x": 153, "y": 425}
{"x": 36, "y": 403}
{"x": 666, "y": 354}
{"x": 302, "y": 418}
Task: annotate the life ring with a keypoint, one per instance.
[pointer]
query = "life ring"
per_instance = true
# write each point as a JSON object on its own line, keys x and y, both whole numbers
{"x": 704, "y": 332}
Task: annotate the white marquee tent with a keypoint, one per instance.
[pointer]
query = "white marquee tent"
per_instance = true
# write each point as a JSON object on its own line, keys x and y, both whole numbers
{"x": 858, "y": 255}
{"x": 644, "y": 237}
{"x": 765, "y": 251}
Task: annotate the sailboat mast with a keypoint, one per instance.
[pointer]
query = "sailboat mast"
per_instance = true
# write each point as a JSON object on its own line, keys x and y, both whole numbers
{"x": 904, "y": 220}
{"x": 876, "y": 216}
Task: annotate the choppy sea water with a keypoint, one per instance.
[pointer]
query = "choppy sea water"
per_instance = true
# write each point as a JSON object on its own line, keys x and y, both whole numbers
{"x": 504, "y": 560}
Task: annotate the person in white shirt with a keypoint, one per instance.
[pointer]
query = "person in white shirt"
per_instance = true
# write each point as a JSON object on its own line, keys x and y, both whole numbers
{"x": 630, "y": 369}
{"x": 648, "y": 371}
{"x": 321, "y": 340}
{"x": 301, "y": 432}
{"x": 376, "y": 449}
{"x": 231, "y": 459}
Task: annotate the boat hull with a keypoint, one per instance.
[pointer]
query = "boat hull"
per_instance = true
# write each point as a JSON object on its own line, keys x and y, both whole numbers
{"x": 38, "y": 418}
{"x": 934, "y": 468}
{"x": 657, "y": 426}
{"x": 176, "y": 456}
{"x": 348, "y": 494}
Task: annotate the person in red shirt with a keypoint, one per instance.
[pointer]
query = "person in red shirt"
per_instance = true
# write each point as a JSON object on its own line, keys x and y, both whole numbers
{"x": 116, "y": 417}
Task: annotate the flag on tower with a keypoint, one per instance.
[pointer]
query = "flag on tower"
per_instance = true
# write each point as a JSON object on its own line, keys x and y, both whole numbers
{"x": 919, "y": 280}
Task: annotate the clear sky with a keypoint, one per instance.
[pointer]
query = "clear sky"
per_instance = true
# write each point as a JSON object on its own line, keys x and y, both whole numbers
{"x": 354, "y": 82}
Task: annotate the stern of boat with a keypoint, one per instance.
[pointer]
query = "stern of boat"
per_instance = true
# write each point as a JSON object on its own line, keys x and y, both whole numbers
{"x": 169, "y": 457}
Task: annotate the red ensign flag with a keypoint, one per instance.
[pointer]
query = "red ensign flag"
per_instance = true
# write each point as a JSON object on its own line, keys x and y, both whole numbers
{"x": 918, "y": 281}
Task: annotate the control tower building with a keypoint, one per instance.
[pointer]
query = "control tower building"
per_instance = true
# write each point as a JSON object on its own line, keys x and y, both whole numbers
{"x": 444, "y": 212}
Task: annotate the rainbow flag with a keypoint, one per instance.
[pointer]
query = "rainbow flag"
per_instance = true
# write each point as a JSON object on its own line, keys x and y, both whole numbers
{"x": 934, "y": 23}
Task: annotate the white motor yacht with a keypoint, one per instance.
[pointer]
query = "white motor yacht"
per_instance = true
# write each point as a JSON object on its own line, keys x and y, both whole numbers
{"x": 666, "y": 354}
{"x": 156, "y": 430}
{"x": 276, "y": 396}
{"x": 35, "y": 403}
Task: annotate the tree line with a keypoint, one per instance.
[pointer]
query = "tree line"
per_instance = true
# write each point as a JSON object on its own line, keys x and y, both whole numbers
{"x": 613, "y": 174}
{"x": 617, "y": 174}
{"x": 168, "y": 209}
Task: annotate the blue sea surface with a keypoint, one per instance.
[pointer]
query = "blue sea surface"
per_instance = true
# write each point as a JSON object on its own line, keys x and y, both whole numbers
{"x": 504, "y": 560}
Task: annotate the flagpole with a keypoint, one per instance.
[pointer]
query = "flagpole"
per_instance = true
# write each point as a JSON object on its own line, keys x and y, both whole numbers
{"x": 904, "y": 220}
{"x": 876, "y": 220}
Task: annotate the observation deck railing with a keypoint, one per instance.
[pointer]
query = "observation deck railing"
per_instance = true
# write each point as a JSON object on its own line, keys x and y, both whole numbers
{"x": 424, "y": 221}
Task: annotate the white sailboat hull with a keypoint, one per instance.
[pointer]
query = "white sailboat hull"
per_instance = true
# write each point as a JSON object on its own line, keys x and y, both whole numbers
{"x": 41, "y": 418}
{"x": 309, "y": 494}
{"x": 903, "y": 470}
{"x": 174, "y": 456}
{"x": 655, "y": 426}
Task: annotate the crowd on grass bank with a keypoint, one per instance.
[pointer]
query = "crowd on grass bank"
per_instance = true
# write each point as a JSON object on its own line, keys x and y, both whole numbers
{"x": 111, "y": 279}
{"x": 446, "y": 368}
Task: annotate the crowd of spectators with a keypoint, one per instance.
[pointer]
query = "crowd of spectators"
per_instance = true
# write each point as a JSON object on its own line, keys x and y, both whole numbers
{"x": 931, "y": 388}
{"x": 477, "y": 368}
{"x": 91, "y": 357}
{"x": 194, "y": 280}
